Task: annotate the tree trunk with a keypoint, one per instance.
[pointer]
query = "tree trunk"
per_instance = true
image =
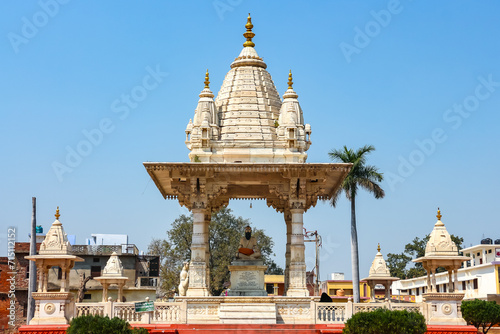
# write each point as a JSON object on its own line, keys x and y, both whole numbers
{"x": 354, "y": 253}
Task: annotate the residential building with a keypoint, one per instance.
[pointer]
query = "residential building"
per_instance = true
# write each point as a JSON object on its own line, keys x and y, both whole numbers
{"x": 478, "y": 277}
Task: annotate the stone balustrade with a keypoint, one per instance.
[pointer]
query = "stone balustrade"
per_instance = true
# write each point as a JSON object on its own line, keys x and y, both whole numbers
{"x": 300, "y": 310}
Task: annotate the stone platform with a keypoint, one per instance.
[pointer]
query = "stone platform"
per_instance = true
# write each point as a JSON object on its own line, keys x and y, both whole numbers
{"x": 242, "y": 313}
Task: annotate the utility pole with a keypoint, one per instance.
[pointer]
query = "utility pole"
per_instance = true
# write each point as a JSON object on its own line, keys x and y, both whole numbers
{"x": 317, "y": 240}
{"x": 32, "y": 266}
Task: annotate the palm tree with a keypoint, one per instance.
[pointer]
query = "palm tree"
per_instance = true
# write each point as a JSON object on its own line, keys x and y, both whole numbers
{"x": 362, "y": 176}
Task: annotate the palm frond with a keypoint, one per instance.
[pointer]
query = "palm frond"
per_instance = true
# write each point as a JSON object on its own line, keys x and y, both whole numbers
{"x": 362, "y": 175}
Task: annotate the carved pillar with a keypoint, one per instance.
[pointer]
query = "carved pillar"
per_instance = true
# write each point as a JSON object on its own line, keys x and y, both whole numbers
{"x": 45, "y": 277}
{"x": 208, "y": 218}
{"x": 104, "y": 291}
{"x": 198, "y": 268}
{"x": 387, "y": 287}
{"x": 372, "y": 291}
{"x": 120, "y": 292}
{"x": 41, "y": 275}
{"x": 429, "y": 286}
{"x": 288, "y": 222}
{"x": 64, "y": 281}
{"x": 433, "y": 272}
{"x": 455, "y": 281}
{"x": 297, "y": 284}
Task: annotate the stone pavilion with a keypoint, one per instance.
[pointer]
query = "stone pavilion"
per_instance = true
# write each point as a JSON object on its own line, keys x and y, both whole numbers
{"x": 248, "y": 143}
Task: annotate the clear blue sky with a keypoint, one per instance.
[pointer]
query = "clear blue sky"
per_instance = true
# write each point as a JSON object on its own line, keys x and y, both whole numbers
{"x": 395, "y": 75}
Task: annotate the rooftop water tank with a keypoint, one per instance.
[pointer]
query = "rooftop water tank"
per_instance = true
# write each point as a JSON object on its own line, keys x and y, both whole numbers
{"x": 497, "y": 242}
{"x": 39, "y": 229}
{"x": 486, "y": 241}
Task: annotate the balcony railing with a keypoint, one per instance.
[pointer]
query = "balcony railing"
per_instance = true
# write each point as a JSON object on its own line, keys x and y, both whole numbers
{"x": 105, "y": 249}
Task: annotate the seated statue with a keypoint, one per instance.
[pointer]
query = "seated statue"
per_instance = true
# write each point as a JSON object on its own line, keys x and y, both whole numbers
{"x": 248, "y": 249}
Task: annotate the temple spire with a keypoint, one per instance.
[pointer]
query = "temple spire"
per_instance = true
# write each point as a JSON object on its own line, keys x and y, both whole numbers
{"x": 378, "y": 248}
{"x": 249, "y": 34}
{"x": 207, "y": 82}
{"x": 57, "y": 215}
{"x": 290, "y": 82}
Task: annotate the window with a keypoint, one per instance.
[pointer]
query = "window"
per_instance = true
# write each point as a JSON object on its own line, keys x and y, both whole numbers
{"x": 480, "y": 261}
{"x": 95, "y": 271}
{"x": 464, "y": 286}
{"x": 87, "y": 296}
{"x": 270, "y": 288}
{"x": 96, "y": 259}
{"x": 475, "y": 283}
{"x": 417, "y": 292}
{"x": 437, "y": 288}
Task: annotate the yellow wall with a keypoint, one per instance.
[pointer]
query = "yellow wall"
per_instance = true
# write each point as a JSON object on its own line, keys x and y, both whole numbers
{"x": 333, "y": 286}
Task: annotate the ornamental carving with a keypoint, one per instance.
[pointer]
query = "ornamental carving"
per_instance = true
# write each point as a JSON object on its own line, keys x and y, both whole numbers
{"x": 447, "y": 309}
{"x": 49, "y": 308}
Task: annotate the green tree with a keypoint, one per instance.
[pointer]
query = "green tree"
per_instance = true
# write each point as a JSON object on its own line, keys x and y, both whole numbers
{"x": 96, "y": 324}
{"x": 383, "y": 321}
{"x": 481, "y": 313}
{"x": 225, "y": 231}
{"x": 360, "y": 175}
{"x": 401, "y": 265}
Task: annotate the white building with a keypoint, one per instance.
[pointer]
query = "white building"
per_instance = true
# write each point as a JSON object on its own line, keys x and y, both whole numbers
{"x": 478, "y": 278}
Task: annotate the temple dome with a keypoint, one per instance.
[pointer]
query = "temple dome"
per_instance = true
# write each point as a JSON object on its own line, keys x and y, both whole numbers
{"x": 440, "y": 243}
{"x": 56, "y": 241}
{"x": 379, "y": 267}
{"x": 242, "y": 123}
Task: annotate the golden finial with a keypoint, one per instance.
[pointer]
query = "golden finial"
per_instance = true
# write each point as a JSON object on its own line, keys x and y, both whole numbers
{"x": 290, "y": 82}
{"x": 57, "y": 214}
{"x": 439, "y": 215}
{"x": 378, "y": 248}
{"x": 207, "y": 83}
{"x": 249, "y": 34}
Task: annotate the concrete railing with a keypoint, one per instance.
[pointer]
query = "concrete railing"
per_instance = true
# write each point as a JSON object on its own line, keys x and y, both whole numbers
{"x": 163, "y": 312}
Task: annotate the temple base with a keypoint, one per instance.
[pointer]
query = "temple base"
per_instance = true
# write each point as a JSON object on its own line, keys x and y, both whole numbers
{"x": 55, "y": 308}
{"x": 443, "y": 308}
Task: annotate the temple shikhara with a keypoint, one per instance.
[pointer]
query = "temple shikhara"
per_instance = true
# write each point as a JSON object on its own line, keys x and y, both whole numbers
{"x": 245, "y": 142}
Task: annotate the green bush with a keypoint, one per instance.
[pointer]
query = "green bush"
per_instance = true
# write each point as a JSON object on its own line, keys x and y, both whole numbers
{"x": 383, "y": 321}
{"x": 96, "y": 324}
{"x": 481, "y": 313}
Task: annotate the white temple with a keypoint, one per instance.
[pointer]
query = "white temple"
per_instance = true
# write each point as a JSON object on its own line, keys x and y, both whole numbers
{"x": 248, "y": 144}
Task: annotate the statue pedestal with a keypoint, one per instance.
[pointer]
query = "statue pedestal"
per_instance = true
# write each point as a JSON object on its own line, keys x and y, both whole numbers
{"x": 443, "y": 308}
{"x": 247, "y": 278}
